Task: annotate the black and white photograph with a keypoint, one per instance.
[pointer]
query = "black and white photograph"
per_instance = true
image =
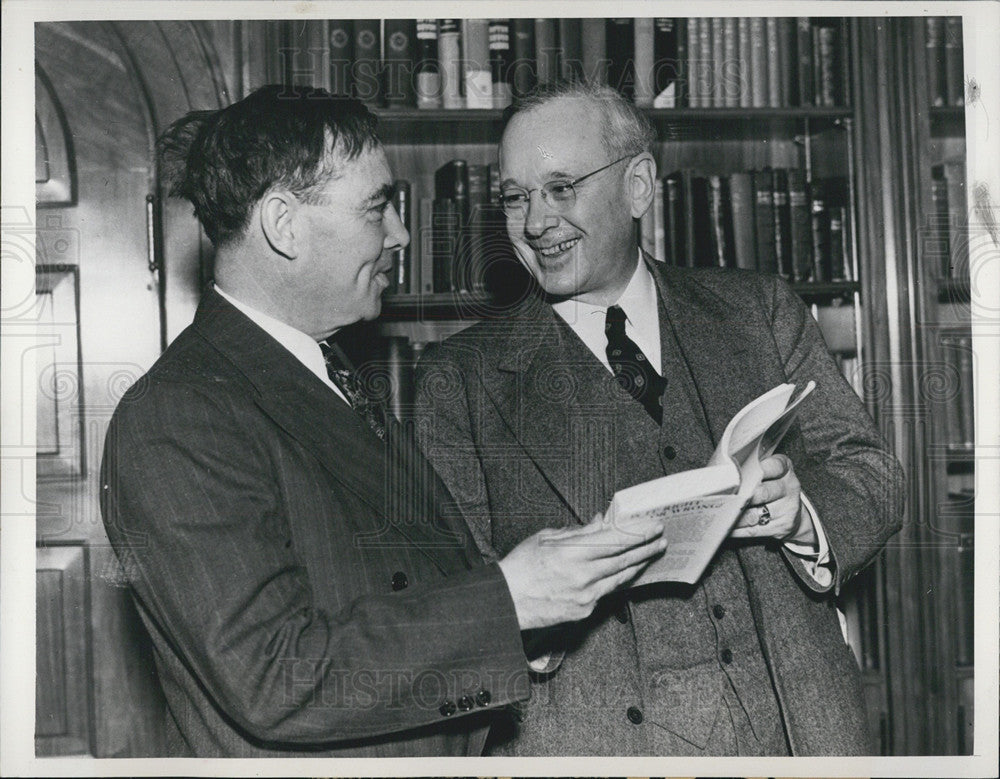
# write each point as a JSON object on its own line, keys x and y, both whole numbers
{"x": 521, "y": 396}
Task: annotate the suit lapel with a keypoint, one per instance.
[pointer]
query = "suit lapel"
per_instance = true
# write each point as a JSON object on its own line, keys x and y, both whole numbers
{"x": 315, "y": 416}
{"x": 715, "y": 346}
{"x": 564, "y": 408}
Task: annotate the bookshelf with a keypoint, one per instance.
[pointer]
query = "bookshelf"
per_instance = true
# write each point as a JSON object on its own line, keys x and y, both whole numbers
{"x": 806, "y": 123}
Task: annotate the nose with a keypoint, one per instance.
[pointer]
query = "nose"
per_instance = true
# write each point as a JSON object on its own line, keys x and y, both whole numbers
{"x": 396, "y": 234}
{"x": 539, "y": 216}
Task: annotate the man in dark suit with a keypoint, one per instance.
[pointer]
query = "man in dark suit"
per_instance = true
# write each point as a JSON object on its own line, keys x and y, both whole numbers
{"x": 619, "y": 370}
{"x": 307, "y": 583}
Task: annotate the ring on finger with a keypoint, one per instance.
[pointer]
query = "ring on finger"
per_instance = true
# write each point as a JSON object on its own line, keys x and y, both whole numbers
{"x": 765, "y": 515}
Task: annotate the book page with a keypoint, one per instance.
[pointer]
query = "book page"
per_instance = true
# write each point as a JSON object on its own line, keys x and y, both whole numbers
{"x": 694, "y": 530}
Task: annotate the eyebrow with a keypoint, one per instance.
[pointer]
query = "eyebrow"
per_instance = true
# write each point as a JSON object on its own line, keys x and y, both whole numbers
{"x": 382, "y": 194}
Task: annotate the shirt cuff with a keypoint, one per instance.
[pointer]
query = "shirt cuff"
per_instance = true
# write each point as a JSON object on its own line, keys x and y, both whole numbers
{"x": 816, "y": 558}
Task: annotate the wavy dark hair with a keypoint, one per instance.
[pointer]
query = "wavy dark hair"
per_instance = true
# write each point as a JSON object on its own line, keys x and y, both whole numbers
{"x": 224, "y": 161}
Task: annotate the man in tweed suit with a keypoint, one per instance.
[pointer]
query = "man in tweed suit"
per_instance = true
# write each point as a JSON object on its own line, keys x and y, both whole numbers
{"x": 307, "y": 583}
{"x": 618, "y": 370}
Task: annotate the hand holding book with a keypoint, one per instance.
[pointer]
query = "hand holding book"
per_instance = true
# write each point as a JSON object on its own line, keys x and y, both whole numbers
{"x": 779, "y": 491}
{"x": 701, "y": 507}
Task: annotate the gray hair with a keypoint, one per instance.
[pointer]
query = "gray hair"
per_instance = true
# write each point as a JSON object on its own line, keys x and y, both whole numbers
{"x": 626, "y": 129}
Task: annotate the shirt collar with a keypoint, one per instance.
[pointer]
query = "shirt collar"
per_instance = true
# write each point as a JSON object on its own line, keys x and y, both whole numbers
{"x": 302, "y": 346}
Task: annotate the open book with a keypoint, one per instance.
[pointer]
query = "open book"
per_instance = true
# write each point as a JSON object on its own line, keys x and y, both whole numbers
{"x": 701, "y": 506}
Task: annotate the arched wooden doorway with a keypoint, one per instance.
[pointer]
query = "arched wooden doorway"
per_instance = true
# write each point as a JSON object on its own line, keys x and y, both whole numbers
{"x": 119, "y": 271}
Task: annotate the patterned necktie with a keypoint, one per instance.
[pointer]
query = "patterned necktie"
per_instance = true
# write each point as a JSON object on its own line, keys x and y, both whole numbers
{"x": 631, "y": 368}
{"x": 346, "y": 379}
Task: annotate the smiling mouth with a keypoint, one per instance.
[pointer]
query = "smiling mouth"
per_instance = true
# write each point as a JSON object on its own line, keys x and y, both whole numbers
{"x": 547, "y": 252}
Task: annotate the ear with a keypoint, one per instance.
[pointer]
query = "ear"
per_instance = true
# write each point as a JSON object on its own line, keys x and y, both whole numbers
{"x": 641, "y": 183}
{"x": 278, "y": 209}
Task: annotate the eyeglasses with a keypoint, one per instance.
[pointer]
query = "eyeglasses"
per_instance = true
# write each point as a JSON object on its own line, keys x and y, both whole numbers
{"x": 559, "y": 194}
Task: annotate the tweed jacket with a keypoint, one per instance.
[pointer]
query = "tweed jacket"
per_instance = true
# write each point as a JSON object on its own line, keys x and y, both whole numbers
{"x": 529, "y": 430}
{"x": 304, "y": 592}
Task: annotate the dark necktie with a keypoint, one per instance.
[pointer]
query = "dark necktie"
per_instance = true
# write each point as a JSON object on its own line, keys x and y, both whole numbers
{"x": 631, "y": 368}
{"x": 346, "y": 379}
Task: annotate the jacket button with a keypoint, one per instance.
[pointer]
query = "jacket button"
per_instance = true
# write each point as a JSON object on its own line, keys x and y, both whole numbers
{"x": 726, "y": 655}
{"x": 483, "y": 698}
{"x": 634, "y": 715}
{"x": 399, "y": 581}
{"x": 621, "y": 614}
{"x": 448, "y": 708}
{"x": 669, "y": 452}
{"x": 465, "y": 703}
{"x": 719, "y": 610}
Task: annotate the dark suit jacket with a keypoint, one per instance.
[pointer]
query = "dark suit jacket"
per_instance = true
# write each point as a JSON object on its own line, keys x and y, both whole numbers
{"x": 528, "y": 430}
{"x": 266, "y": 532}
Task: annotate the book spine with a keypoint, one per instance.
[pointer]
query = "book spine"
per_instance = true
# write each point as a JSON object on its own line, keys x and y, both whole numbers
{"x": 476, "y": 75}
{"x": 445, "y": 243}
{"x": 400, "y": 46}
{"x": 830, "y": 92}
{"x": 954, "y": 71}
{"x": 676, "y": 251}
{"x": 620, "y": 39}
{"x": 758, "y": 63}
{"x": 782, "y": 224}
{"x": 940, "y": 222}
{"x": 692, "y": 68}
{"x": 665, "y": 68}
{"x": 803, "y": 267}
{"x": 308, "y": 53}
{"x": 718, "y": 60}
{"x": 571, "y": 49}
{"x": 730, "y": 71}
{"x": 643, "y": 44}
{"x": 500, "y": 62}
{"x": 706, "y": 63}
{"x": 416, "y": 246}
{"x": 659, "y": 222}
{"x": 934, "y": 52}
{"x": 953, "y": 409}
{"x": 967, "y": 410}
{"x": 425, "y": 281}
{"x": 745, "y": 54}
{"x": 450, "y": 57}
{"x": 964, "y": 611}
{"x": 840, "y": 270}
{"x": 402, "y": 257}
{"x": 524, "y": 68}
{"x": 773, "y": 63}
{"x": 804, "y": 54}
{"x": 595, "y": 60}
{"x": 744, "y": 240}
{"x": 546, "y": 51}
{"x": 787, "y": 70}
{"x": 767, "y": 259}
{"x": 367, "y": 69}
{"x": 472, "y": 268}
{"x": 958, "y": 220}
{"x": 717, "y": 205}
{"x": 820, "y": 234}
{"x": 428, "y": 72}
{"x": 341, "y": 37}
{"x": 702, "y": 252}
{"x": 681, "y": 88}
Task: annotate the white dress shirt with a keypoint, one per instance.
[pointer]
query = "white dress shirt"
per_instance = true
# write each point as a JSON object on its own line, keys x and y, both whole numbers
{"x": 642, "y": 325}
{"x": 303, "y": 347}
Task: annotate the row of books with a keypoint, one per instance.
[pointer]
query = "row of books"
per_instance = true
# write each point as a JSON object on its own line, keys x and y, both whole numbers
{"x": 770, "y": 220}
{"x": 664, "y": 62}
{"x": 456, "y": 236}
{"x": 947, "y": 245}
{"x": 945, "y": 72}
{"x": 959, "y": 412}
